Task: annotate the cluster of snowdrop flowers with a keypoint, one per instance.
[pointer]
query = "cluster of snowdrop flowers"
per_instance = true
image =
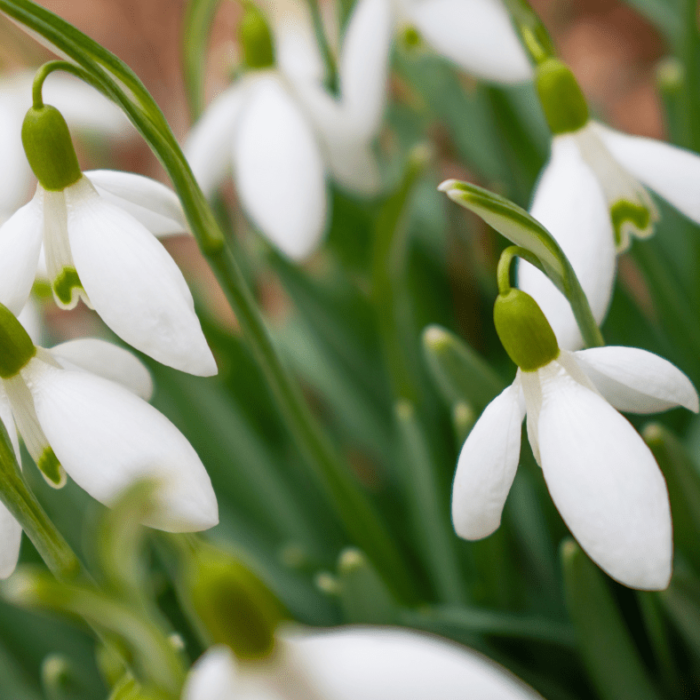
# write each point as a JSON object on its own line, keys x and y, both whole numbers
{"x": 591, "y": 196}
{"x": 354, "y": 663}
{"x": 281, "y": 131}
{"x": 81, "y": 409}
{"x": 602, "y": 476}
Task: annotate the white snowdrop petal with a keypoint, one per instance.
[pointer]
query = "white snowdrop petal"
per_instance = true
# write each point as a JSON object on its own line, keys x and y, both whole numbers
{"x": 213, "y": 676}
{"x": 106, "y": 360}
{"x": 354, "y": 167}
{"x": 380, "y": 663}
{"x": 363, "y": 65}
{"x": 279, "y": 170}
{"x": 637, "y": 381}
{"x": 20, "y": 241}
{"x": 15, "y": 174}
{"x": 476, "y": 34}
{"x": 10, "y": 530}
{"x": 107, "y": 438}
{"x": 156, "y": 206}
{"x": 487, "y": 466}
{"x": 605, "y": 483}
{"x": 570, "y": 205}
{"x": 134, "y": 284}
{"x": 672, "y": 172}
{"x": 207, "y": 147}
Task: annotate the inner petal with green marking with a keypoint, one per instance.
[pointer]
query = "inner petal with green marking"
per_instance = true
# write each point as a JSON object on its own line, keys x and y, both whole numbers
{"x": 632, "y": 211}
{"x": 67, "y": 287}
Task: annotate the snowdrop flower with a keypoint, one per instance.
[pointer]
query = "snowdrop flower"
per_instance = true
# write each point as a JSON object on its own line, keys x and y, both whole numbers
{"x": 355, "y": 663}
{"x": 84, "y": 108}
{"x": 81, "y": 408}
{"x": 97, "y": 233}
{"x": 282, "y": 133}
{"x": 592, "y": 197}
{"x": 477, "y": 35}
{"x": 600, "y": 473}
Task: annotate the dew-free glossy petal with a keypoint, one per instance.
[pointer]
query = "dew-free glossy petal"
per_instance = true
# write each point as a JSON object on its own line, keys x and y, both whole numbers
{"x": 487, "y": 466}
{"x": 570, "y": 204}
{"x": 156, "y": 206}
{"x": 279, "y": 170}
{"x": 380, "y": 663}
{"x": 213, "y": 676}
{"x": 637, "y": 381}
{"x": 207, "y": 147}
{"x": 672, "y": 172}
{"x": 15, "y": 173}
{"x": 605, "y": 483}
{"x": 20, "y": 241}
{"x": 106, "y": 360}
{"x": 476, "y": 34}
{"x": 364, "y": 64}
{"x": 134, "y": 284}
{"x": 107, "y": 438}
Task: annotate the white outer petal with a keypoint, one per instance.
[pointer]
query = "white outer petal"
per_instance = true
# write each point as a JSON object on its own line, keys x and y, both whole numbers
{"x": 208, "y": 145}
{"x": 570, "y": 204}
{"x": 105, "y": 360}
{"x": 382, "y": 663}
{"x": 363, "y": 65}
{"x": 605, "y": 482}
{"x": 476, "y": 34}
{"x": 10, "y": 530}
{"x": 107, "y": 438}
{"x": 15, "y": 173}
{"x": 156, "y": 206}
{"x": 20, "y": 241}
{"x": 637, "y": 381}
{"x": 214, "y": 676}
{"x": 279, "y": 170}
{"x": 672, "y": 172}
{"x": 487, "y": 466}
{"x": 133, "y": 283}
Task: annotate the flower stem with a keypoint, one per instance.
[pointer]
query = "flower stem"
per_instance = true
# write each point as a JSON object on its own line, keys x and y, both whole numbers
{"x": 26, "y": 509}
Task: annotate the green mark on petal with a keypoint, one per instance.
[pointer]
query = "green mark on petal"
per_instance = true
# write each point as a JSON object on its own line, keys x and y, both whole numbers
{"x": 64, "y": 285}
{"x": 628, "y": 215}
{"x": 51, "y": 468}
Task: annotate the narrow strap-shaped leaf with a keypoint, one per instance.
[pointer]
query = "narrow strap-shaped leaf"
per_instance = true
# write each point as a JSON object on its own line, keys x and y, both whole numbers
{"x": 608, "y": 651}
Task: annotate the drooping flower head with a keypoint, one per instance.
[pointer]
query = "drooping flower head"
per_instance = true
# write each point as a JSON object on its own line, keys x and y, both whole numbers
{"x": 592, "y": 197}
{"x": 602, "y": 476}
{"x": 100, "y": 251}
{"x": 81, "y": 410}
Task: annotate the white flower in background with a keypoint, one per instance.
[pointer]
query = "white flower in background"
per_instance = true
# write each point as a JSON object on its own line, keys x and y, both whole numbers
{"x": 281, "y": 133}
{"x": 602, "y": 476}
{"x": 97, "y": 231}
{"x": 82, "y": 408}
{"x": 477, "y": 35}
{"x": 355, "y": 663}
{"x": 591, "y": 196}
{"x": 85, "y": 110}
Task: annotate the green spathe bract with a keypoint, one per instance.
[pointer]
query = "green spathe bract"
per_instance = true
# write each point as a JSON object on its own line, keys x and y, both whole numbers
{"x": 524, "y": 330}
{"x": 256, "y": 39}
{"x": 234, "y": 606}
{"x": 16, "y": 347}
{"x": 562, "y": 101}
{"x": 49, "y": 148}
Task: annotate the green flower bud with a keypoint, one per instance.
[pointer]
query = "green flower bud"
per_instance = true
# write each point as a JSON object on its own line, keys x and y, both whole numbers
{"x": 16, "y": 347}
{"x": 49, "y": 148}
{"x": 234, "y": 606}
{"x": 255, "y": 38}
{"x": 563, "y": 102}
{"x": 524, "y": 330}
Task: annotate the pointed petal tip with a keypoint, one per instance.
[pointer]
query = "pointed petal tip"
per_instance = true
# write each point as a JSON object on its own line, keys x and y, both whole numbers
{"x": 447, "y": 185}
